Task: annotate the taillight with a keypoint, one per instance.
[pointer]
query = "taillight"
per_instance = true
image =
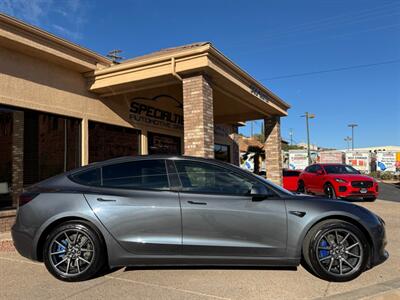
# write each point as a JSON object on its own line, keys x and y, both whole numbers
{"x": 25, "y": 198}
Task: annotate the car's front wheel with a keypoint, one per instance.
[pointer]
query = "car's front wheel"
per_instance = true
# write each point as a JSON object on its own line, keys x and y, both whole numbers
{"x": 336, "y": 250}
{"x": 329, "y": 191}
{"x": 73, "y": 251}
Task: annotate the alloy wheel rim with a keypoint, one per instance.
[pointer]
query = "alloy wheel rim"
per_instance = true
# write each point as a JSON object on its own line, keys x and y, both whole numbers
{"x": 71, "y": 252}
{"x": 339, "y": 252}
{"x": 329, "y": 192}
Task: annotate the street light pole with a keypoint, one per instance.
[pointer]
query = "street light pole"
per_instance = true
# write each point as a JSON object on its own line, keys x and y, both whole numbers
{"x": 352, "y": 135}
{"x": 348, "y": 139}
{"x": 308, "y": 116}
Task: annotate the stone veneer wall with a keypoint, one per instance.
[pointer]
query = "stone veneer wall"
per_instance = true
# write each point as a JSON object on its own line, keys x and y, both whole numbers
{"x": 198, "y": 117}
{"x": 17, "y": 155}
{"x": 273, "y": 149}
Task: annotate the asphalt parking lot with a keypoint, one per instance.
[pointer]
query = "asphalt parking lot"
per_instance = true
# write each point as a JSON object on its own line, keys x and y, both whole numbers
{"x": 24, "y": 279}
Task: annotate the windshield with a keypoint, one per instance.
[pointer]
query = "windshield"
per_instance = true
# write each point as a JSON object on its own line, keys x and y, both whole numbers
{"x": 340, "y": 169}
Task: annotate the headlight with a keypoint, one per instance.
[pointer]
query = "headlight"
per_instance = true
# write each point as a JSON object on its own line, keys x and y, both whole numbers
{"x": 340, "y": 180}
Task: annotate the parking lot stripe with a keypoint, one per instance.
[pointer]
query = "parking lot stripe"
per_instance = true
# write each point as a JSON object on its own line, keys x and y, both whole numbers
{"x": 168, "y": 287}
{"x": 366, "y": 292}
{"x": 21, "y": 261}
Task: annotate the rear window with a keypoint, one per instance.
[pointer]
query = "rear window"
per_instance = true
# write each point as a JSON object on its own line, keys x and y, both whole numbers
{"x": 90, "y": 177}
{"x": 147, "y": 174}
{"x": 287, "y": 173}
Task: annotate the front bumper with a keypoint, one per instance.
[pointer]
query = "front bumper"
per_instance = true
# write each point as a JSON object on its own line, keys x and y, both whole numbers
{"x": 347, "y": 191}
{"x": 379, "y": 253}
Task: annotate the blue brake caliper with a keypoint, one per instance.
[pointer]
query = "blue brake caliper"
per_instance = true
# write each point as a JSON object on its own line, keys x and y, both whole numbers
{"x": 61, "y": 248}
{"x": 323, "y": 252}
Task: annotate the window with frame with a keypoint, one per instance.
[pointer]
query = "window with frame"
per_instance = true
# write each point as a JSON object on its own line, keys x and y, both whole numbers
{"x": 146, "y": 174}
{"x": 207, "y": 178}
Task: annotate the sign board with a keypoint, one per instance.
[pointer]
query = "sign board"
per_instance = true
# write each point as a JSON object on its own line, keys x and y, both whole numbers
{"x": 160, "y": 111}
{"x": 331, "y": 157}
{"x": 359, "y": 160}
{"x": 298, "y": 159}
{"x": 386, "y": 161}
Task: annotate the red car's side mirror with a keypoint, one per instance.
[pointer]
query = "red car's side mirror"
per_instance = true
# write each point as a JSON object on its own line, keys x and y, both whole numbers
{"x": 320, "y": 172}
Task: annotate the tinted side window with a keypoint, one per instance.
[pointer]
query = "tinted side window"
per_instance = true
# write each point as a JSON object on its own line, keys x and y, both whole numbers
{"x": 287, "y": 173}
{"x": 147, "y": 174}
{"x": 207, "y": 178}
{"x": 311, "y": 169}
{"x": 318, "y": 168}
{"x": 89, "y": 177}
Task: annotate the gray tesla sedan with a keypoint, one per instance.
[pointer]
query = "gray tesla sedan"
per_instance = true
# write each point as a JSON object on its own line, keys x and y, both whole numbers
{"x": 169, "y": 210}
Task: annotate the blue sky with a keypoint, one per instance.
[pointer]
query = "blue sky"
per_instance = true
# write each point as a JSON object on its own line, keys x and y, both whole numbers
{"x": 279, "y": 42}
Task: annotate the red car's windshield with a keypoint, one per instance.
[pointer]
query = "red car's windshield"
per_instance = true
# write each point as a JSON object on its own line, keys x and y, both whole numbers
{"x": 340, "y": 169}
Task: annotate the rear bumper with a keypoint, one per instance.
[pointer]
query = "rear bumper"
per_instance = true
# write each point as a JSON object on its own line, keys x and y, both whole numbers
{"x": 23, "y": 242}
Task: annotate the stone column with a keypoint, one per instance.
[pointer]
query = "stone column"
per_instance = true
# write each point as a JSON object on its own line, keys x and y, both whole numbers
{"x": 198, "y": 117}
{"x": 273, "y": 149}
{"x": 17, "y": 155}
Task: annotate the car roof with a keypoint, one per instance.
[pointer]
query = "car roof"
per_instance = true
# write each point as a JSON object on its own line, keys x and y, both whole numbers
{"x": 123, "y": 159}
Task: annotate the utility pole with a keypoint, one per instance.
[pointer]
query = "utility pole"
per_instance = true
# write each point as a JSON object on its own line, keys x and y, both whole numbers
{"x": 291, "y": 136}
{"x": 308, "y": 116}
{"x": 352, "y": 134}
{"x": 348, "y": 139}
{"x": 251, "y": 130}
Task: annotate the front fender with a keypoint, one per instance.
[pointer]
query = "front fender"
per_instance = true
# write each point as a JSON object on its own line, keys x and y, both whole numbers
{"x": 316, "y": 212}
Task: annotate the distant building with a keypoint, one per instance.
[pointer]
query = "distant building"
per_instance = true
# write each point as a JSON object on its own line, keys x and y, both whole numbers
{"x": 378, "y": 148}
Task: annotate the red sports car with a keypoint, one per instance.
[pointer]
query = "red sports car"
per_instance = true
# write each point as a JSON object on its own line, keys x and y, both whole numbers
{"x": 337, "y": 181}
{"x": 290, "y": 179}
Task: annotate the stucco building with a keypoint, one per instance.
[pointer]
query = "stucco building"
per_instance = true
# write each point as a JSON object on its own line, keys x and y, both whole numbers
{"x": 63, "y": 106}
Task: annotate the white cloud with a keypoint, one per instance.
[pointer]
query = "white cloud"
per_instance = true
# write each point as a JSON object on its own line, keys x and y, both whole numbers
{"x": 28, "y": 10}
{"x": 63, "y": 17}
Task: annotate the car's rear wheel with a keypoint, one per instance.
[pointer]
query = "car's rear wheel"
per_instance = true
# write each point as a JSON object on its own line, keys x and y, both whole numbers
{"x": 336, "y": 250}
{"x": 329, "y": 191}
{"x": 73, "y": 251}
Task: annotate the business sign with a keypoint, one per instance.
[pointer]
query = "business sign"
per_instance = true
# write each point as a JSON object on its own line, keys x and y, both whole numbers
{"x": 298, "y": 159}
{"x": 386, "y": 161}
{"x": 159, "y": 111}
{"x": 359, "y": 160}
{"x": 258, "y": 93}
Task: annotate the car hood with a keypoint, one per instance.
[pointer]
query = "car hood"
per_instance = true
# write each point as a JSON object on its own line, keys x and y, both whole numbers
{"x": 352, "y": 177}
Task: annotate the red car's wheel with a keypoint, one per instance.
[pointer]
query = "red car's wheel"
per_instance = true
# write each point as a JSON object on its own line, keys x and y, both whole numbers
{"x": 330, "y": 191}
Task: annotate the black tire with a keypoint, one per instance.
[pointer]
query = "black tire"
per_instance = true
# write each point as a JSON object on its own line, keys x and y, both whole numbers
{"x": 329, "y": 191}
{"x": 320, "y": 266}
{"x": 300, "y": 187}
{"x": 91, "y": 249}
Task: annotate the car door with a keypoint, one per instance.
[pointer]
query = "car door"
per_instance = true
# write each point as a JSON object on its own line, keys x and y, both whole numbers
{"x": 136, "y": 206}
{"x": 220, "y": 218}
{"x": 319, "y": 180}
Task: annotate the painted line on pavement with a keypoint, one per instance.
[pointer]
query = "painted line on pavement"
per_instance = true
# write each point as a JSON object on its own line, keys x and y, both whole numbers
{"x": 168, "y": 288}
{"x": 21, "y": 261}
{"x": 368, "y": 291}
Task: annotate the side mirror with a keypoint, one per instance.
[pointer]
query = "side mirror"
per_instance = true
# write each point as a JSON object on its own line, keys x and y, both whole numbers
{"x": 259, "y": 192}
{"x": 320, "y": 172}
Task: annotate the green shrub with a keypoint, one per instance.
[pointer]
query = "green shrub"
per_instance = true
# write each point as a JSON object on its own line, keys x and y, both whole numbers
{"x": 387, "y": 176}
